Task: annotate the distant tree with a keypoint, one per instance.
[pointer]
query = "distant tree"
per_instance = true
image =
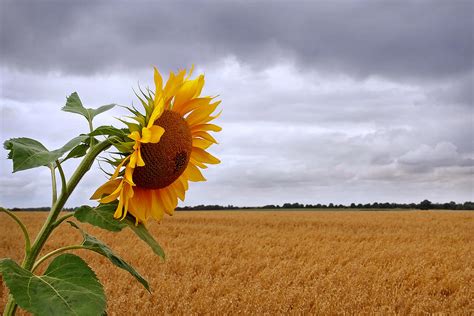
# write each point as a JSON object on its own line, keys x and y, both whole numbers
{"x": 425, "y": 205}
{"x": 467, "y": 205}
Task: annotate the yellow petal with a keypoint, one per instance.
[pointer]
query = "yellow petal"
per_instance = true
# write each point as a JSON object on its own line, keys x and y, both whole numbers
{"x": 186, "y": 92}
{"x": 135, "y": 136}
{"x": 167, "y": 200}
{"x": 202, "y": 114}
{"x": 109, "y": 198}
{"x": 158, "y": 81}
{"x": 197, "y": 163}
{"x": 192, "y": 104}
{"x": 157, "y": 111}
{"x": 179, "y": 189}
{"x": 129, "y": 175}
{"x": 107, "y": 188}
{"x": 205, "y": 135}
{"x": 184, "y": 182}
{"x": 140, "y": 161}
{"x": 134, "y": 156}
{"x": 140, "y": 204}
{"x": 173, "y": 84}
{"x": 117, "y": 170}
{"x": 193, "y": 173}
{"x": 127, "y": 195}
{"x": 190, "y": 72}
{"x": 113, "y": 196}
{"x": 201, "y": 143}
{"x": 205, "y": 127}
{"x": 156, "y": 209}
{"x": 118, "y": 210}
{"x": 152, "y": 134}
{"x": 203, "y": 156}
{"x": 200, "y": 86}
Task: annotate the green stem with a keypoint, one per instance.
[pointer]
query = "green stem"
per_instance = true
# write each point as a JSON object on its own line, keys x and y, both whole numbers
{"x": 62, "y": 219}
{"x": 49, "y": 224}
{"x": 11, "y": 307}
{"x": 22, "y": 226}
{"x": 63, "y": 177}
{"x": 54, "y": 252}
{"x": 91, "y": 129}
{"x": 53, "y": 183}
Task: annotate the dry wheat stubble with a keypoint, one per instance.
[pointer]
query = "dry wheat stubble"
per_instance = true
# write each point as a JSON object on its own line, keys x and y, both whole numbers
{"x": 283, "y": 262}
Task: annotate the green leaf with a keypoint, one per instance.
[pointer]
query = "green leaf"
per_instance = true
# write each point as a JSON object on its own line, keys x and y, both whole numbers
{"x": 103, "y": 217}
{"x": 77, "y": 152}
{"x": 74, "y": 105}
{"x": 68, "y": 287}
{"x": 143, "y": 233}
{"x": 109, "y": 131}
{"x": 94, "y": 244}
{"x": 28, "y": 153}
{"x": 100, "y": 109}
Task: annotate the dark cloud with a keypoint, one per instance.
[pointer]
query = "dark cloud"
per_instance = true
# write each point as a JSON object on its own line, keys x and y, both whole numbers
{"x": 323, "y": 101}
{"x": 416, "y": 39}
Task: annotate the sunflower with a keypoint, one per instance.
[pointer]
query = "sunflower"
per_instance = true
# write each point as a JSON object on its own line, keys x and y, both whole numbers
{"x": 164, "y": 149}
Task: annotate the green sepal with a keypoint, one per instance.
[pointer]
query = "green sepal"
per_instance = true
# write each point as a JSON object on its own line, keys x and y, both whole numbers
{"x": 28, "y": 153}
{"x": 103, "y": 217}
{"x": 147, "y": 106}
{"x": 126, "y": 147}
{"x": 68, "y": 287}
{"x": 74, "y": 105}
{"x": 132, "y": 127}
{"x": 94, "y": 244}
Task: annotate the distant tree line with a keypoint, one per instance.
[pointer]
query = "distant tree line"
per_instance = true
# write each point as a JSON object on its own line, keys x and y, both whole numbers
{"x": 423, "y": 205}
{"x": 38, "y": 209}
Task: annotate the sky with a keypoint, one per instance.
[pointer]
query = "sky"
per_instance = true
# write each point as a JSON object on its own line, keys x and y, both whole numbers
{"x": 323, "y": 101}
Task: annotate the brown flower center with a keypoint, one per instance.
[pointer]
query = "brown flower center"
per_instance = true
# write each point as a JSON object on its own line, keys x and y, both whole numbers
{"x": 166, "y": 160}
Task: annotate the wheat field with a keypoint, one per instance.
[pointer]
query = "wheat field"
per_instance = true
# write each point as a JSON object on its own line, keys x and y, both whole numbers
{"x": 271, "y": 262}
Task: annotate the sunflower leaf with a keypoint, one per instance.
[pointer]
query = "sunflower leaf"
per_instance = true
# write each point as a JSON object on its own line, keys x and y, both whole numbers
{"x": 68, "y": 287}
{"x": 108, "y": 131}
{"x": 103, "y": 216}
{"x": 28, "y": 153}
{"x": 74, "y": 105}
{"x": 100, "y": 109}
{"x": 143, "y": 233}
{"x": 94, "y": 244}
{"x": 77, "y": 152}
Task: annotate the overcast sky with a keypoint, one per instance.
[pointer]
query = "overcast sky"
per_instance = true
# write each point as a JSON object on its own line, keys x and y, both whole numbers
{"x": 337, "y": 101}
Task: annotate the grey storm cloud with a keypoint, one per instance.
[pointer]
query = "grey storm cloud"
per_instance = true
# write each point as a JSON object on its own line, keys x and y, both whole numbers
{"x": 323, "y": 101}
{"x": 416, "y": 39}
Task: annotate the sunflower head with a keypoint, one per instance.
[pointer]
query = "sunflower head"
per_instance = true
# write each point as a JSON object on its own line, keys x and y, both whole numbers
{"x": 166, "y": 160}
{"x": 165, "y": 147}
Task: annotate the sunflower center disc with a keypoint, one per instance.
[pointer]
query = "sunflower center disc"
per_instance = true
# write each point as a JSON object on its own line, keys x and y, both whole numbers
{"x": 166, "y": 160}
